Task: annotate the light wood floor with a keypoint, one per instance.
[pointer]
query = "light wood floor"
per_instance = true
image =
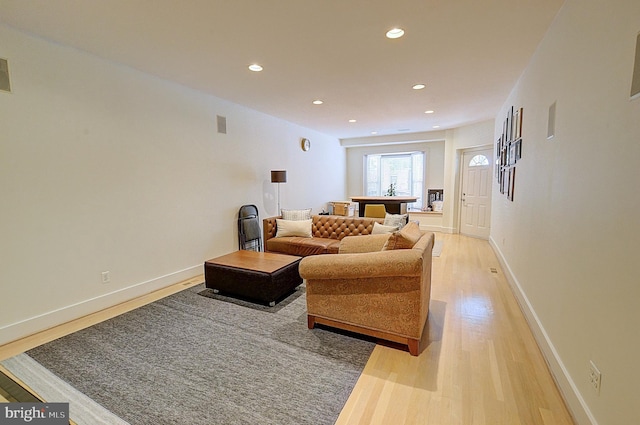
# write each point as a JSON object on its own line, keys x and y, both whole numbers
{"x": 479, "y": 364}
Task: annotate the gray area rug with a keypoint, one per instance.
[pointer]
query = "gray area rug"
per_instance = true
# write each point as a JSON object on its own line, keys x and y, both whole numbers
{"x": 192, "y": 359}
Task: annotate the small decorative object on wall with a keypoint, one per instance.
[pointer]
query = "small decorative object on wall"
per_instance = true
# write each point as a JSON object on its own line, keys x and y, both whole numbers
{"x": 305, "y": 144}
{"x": 509, "y": 151}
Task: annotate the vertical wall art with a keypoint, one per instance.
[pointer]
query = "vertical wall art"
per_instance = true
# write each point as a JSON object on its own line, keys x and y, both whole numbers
{"x": 509, "y": 151}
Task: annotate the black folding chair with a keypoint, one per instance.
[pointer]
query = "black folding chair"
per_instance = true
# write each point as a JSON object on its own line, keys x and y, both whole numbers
{"x": 249, "y": 233}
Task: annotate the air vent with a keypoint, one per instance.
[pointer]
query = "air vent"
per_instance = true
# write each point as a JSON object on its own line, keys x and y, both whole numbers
{"x": 5, "y": 85}
{"x": 222, "y": 124}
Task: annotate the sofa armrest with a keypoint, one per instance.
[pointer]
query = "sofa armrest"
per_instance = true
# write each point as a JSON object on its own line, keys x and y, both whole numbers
{"x": 364, "y": 243}
{"x": 405, "y": 262}
{"x": 269, "y": 229}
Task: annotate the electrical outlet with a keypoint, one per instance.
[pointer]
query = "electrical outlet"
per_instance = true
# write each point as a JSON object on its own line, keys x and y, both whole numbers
{"x": 105, "y": 277}
{"x": 595, "y": 377}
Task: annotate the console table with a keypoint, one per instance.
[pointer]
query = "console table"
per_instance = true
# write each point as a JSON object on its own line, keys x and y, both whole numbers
{"x": 393, "y": 204}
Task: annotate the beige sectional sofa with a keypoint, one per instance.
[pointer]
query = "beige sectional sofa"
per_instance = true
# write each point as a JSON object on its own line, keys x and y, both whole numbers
{"x": 364, "y": 289}
{"x": 374, "y": 284}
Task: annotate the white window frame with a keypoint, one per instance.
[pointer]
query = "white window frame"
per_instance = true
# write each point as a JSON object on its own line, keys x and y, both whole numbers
{"x": 383, "y": 190}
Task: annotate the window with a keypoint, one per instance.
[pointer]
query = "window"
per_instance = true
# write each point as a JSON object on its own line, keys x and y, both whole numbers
{"x": 404, "y": 170}
{"x": 478, "y": 160}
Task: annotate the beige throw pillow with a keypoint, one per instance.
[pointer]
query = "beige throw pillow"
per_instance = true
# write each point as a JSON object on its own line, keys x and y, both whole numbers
{"x": 397, "y": 220}
{"x": 304, "y": 214}
{"x": 293, "y": 228}
{"x": 381, "y": 228}
{"x": 404, "y": 238}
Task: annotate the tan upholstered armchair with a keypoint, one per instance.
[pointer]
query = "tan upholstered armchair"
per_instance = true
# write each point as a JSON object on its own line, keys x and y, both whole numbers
{"x": 363, "y": 289}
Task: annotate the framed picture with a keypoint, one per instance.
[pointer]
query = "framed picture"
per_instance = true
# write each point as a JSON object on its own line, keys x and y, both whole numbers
{"x": 519, "y": 124}
{"x": 512, "y": 181}
{"x": 518, "y": 149}
{"x": 514, "y": 125}
{"x": 512, "y": 153}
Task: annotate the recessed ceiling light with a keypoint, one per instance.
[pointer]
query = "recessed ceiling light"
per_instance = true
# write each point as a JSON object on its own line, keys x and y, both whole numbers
{"x": 395, "y": 33}
{"x": 318, "y": 102}
{"x": 429, "y": 112}
{"x": 436, "y": 126}
{"x": 374, "y": 132}
{"x": 352, "y": 121}
{"x": 255, "y": 67}
{"x": 419, "y": 86}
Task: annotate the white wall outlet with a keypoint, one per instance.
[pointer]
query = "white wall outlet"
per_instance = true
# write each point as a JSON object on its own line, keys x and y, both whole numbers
{"x": 595, "y": 377}
{"x": 105, "y": 277}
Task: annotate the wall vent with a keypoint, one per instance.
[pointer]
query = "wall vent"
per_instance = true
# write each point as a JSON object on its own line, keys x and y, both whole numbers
{"x": 5, "y": 85}
{"x": 222, "y": 124}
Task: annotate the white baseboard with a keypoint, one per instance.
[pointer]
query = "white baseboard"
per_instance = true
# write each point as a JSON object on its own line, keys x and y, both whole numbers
{"x": 439, "y": 229}
{"x": 32, "y": 325}
{"x": 575, "y": 402}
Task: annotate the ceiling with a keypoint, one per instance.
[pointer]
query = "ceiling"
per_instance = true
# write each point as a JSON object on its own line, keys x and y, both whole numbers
{"x": 468, "y": 53}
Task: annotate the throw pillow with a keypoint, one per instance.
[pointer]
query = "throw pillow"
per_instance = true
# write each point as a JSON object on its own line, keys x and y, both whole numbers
{"x": 296, "y": 214}
{"x": 397, "y": 220}
{"x": 404, "y": 238}
{"x": 381, "y": 228}
{"x": 293, "y": 228}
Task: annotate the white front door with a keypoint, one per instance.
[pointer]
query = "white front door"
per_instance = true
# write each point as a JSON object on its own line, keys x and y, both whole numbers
{"x": 475, "y": 215}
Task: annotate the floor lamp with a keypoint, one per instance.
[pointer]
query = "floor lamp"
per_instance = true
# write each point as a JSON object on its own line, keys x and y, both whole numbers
{"x": 278, "y": 176}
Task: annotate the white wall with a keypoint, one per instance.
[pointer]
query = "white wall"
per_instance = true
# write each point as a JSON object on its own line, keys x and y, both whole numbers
{"x": 458, "y": 140}
{"x": 571, "y": 237}
{"x": 105, "y": 168}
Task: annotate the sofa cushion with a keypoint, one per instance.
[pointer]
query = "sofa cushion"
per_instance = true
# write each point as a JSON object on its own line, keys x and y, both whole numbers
{"x": 295, "y": 245}
{"x": 381, "y": 228}
{"x": 296, "y": 214}
{"x": 404, "y": 238}
{"x": 397, "y": 220}
{"x": 293, "y": 228}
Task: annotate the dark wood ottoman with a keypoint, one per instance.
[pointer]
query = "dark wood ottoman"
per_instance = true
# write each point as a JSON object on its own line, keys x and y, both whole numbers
{"x": 261, "y": 276}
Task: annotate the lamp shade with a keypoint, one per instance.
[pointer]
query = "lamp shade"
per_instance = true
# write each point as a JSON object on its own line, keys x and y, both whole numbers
{"x": 278, "y": 176}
